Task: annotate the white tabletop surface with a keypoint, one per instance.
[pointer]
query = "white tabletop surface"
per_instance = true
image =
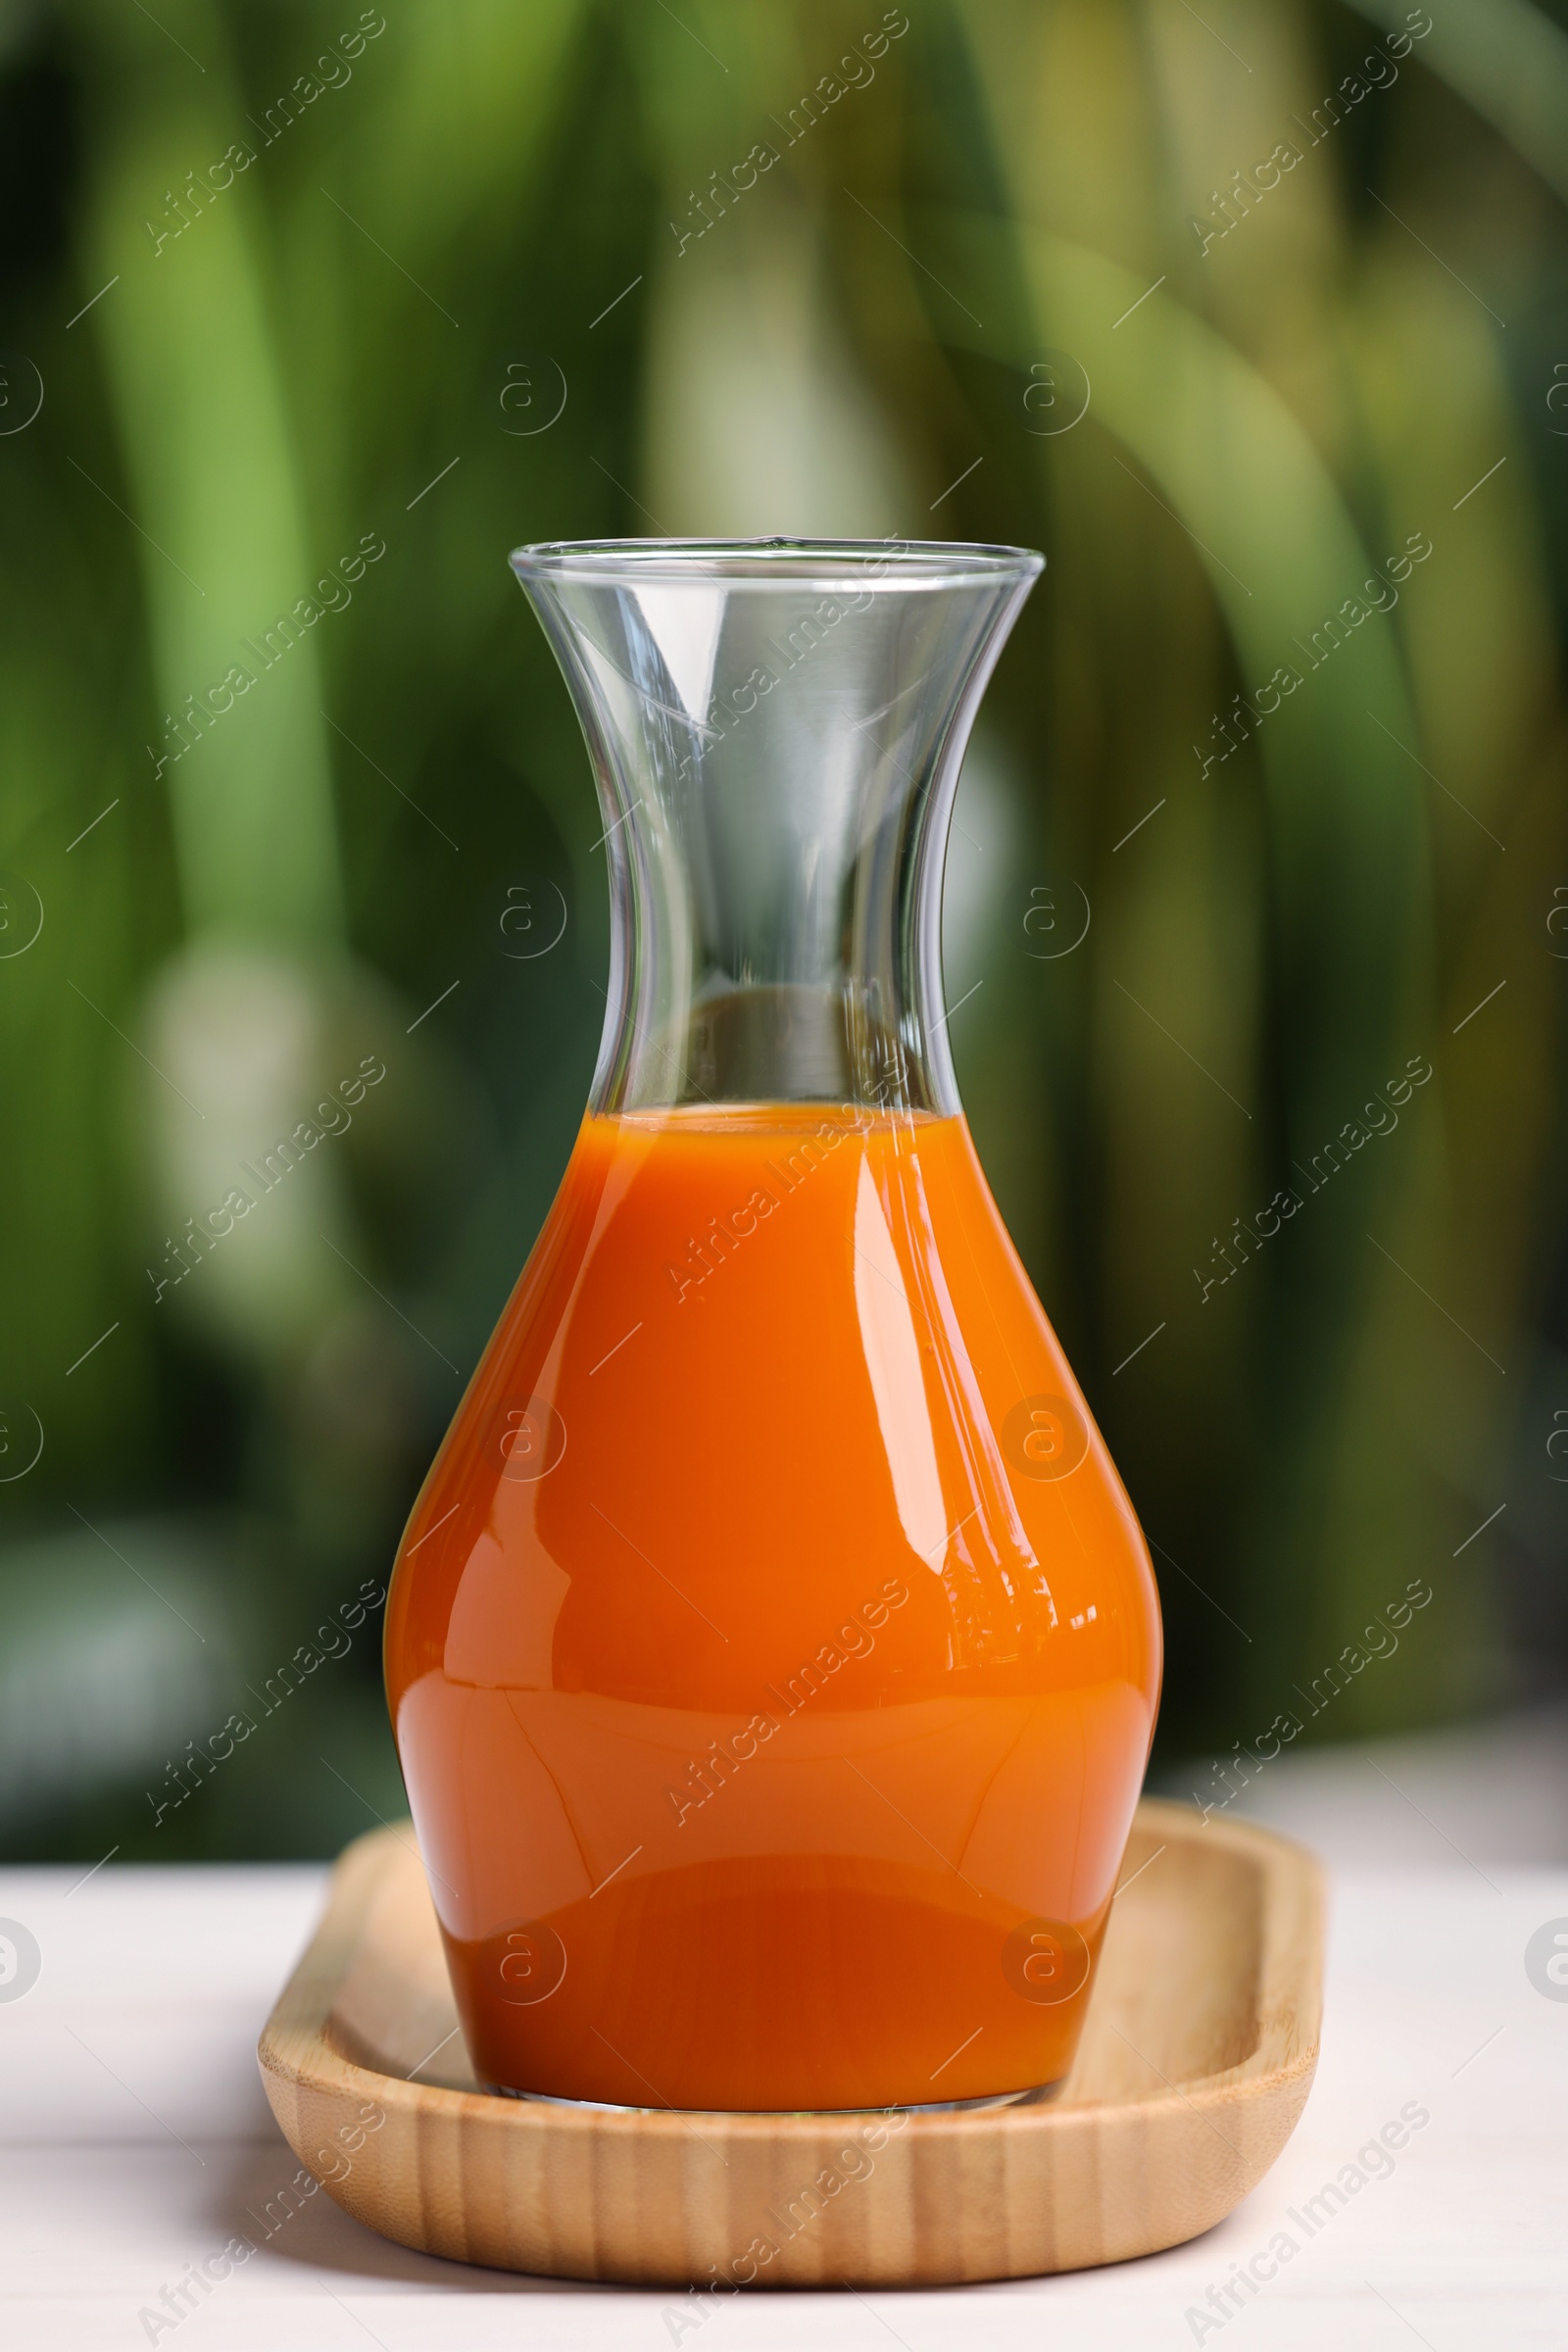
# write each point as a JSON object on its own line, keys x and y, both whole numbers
{"x": 134, "y": 2142}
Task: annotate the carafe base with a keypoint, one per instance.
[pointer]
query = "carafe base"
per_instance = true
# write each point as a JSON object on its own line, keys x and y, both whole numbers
{"x": 1038, "y": 2096}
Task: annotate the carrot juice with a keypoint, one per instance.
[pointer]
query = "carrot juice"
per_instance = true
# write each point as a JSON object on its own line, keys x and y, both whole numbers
{"x": 772, "y": 1652}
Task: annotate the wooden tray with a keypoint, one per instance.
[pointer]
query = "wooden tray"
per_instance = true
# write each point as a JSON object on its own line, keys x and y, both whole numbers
{"x": 1196, "y": 2061}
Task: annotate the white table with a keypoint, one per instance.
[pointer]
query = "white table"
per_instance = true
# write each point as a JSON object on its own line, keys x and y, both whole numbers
{"x": 134, "y": 2142}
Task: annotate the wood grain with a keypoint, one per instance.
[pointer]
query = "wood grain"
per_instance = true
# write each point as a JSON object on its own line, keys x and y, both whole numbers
{"x": 1196, "y": 2061}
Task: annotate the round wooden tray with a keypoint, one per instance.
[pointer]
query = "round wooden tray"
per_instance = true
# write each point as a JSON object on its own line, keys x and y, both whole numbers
{"x": 1196, "y": 2061}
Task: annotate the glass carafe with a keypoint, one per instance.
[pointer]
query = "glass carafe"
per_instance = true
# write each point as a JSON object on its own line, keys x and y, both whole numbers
{"x": 774, "y": 1652}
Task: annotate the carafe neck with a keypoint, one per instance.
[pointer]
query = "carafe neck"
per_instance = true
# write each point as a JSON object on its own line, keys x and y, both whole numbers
{"x": 776, "y": 730}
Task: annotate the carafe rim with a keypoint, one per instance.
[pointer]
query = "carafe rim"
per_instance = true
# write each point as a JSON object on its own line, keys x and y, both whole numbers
{"x": 892, "y": 563}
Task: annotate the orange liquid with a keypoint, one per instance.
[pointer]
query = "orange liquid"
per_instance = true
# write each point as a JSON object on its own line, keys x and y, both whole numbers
{"x": 772, "y": 1652}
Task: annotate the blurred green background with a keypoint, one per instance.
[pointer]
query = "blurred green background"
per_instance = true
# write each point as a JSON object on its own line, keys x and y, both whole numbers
{"x": 1230, "y": 312}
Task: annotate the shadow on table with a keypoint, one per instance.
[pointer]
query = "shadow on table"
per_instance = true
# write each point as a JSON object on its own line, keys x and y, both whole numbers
{"x": 259, "y": 2192}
